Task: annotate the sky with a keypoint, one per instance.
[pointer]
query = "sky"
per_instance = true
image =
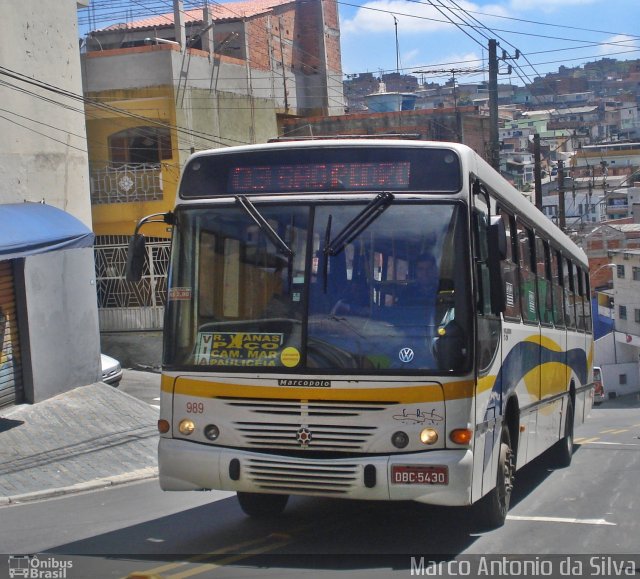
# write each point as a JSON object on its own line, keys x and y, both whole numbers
{"x": 548, "y": 33}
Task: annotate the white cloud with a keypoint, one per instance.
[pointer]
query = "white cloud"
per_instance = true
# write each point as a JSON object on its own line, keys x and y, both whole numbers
{"x": 377, "y": 16}
{"x": 618, "y": 43}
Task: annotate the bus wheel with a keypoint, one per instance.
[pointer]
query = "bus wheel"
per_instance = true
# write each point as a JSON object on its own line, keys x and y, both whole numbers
{"x": 563, "y": 450}
{"x": 491, "y": 510}
{"x": 260, "y": 506}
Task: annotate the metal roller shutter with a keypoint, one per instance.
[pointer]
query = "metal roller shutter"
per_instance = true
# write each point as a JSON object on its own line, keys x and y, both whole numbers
{"x": 10, "y": 359}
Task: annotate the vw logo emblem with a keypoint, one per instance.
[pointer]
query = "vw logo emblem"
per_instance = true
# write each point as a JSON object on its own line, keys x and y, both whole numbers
{"x": 304, "y": 436}
{"x": 406, "y": 355}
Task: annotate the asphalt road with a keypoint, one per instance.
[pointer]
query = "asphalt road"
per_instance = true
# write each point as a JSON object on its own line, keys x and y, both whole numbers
{"x": 143, "y": 385}
{"x": 588, "y": 509}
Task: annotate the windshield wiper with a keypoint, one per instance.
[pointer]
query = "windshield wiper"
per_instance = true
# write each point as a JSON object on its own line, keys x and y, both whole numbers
{"x": 262, "y": 223}
{"x": 359, "y": 223}
{"x": 325, "y": 261}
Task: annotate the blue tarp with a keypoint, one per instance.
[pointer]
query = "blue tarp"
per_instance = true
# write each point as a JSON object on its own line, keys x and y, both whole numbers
{"x": 31, "y": 228}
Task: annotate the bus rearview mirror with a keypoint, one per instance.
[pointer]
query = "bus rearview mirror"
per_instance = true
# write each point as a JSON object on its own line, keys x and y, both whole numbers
{"x": 135, "y": 258}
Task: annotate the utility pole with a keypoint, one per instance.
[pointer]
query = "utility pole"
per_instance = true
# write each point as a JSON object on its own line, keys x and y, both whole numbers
{"x": 537, "y": 170}
{"x": 562, "y": 218}
{"x": 178, "y": 23}
{"x": 494, "y": 145}
{"x": 207, "y": 35}
{"x": 284, "y": 71}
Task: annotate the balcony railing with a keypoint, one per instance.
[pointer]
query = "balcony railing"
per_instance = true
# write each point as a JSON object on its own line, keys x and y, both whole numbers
{"x": 126, "y": 183}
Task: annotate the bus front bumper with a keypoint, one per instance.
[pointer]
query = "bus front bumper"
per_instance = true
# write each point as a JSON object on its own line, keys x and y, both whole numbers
{"x": 187, "y": 466}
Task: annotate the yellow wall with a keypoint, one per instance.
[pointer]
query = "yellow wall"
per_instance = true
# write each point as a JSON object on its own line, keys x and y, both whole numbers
{"x": 157, "y": 104}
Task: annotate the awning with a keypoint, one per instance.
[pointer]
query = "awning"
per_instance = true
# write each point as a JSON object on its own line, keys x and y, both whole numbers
{"x": 31, "y": 228}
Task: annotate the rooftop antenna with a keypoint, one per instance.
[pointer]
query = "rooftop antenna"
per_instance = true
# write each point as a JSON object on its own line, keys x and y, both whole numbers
{"x": 395, "y": 22}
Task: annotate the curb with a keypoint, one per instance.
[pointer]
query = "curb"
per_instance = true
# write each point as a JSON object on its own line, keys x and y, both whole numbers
{"x": 133, "y": 476}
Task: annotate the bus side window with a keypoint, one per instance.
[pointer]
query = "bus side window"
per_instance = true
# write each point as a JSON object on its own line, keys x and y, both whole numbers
{"x": 510, "y": 269}
{"x": 543, "y": 271}
{"x": 569, "y": 296}
{"x": 580, "y": 302}
{"x": 526, "y": 254}
{"x": 556, "y": 281}
{"x": 587, "y": 303}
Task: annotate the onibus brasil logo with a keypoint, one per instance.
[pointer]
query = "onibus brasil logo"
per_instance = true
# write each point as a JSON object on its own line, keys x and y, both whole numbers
{"x": 37, "y": 567}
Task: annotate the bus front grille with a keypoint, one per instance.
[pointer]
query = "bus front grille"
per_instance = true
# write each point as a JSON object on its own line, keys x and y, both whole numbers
{"x": 325, "y": 408}
{"x": 302, "y": 477}
{"x": 317, "y": 437}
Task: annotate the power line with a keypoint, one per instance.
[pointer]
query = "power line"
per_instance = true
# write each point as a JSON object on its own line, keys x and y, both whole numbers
{"x": 88, "y": 101}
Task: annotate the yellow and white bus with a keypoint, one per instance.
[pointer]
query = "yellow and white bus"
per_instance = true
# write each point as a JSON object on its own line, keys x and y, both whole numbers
{"x": 366, "y": 319}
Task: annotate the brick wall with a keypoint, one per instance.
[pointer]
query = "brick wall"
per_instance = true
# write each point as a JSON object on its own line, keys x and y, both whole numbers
{"x": 428, "y": 124}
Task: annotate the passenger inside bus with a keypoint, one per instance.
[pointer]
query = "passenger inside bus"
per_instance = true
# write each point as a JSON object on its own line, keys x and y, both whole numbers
{"x": 423, "y": 291}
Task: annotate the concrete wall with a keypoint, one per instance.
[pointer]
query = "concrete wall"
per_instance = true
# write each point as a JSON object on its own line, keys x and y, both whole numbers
{"x": 165, "y": 66}
{"x": 43, "y": 147}
{"x": 62, "y": 321}
{"x": 617, "y": 359}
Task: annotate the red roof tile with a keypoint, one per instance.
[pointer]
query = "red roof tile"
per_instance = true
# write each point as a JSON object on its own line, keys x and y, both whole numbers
{"x": 228, "y": 11}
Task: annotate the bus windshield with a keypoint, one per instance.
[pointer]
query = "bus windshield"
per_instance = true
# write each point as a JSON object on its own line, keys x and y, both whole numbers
{"x": 342, "y": 290}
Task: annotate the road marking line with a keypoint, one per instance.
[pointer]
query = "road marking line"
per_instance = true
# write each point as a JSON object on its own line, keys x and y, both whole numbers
{"x": 226, "y": 561}
{"x": 155, "y": 406}
{"x": 283, "y": 537}
{"x": 196, "y": 558}
{"x": 620, "y": 431}
{"x": 589, "y": 440}
{"x": 561, "y": 520}
{"x": 607, "y": 431}
{"x": 615, "y": 443}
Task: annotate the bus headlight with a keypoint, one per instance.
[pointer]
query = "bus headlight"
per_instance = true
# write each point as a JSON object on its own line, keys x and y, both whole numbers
{"x": 186, "y": 426}
{"x": 399, "y": 439}
{"x": 211, "y": 432}
{"x": 429, "y": 436}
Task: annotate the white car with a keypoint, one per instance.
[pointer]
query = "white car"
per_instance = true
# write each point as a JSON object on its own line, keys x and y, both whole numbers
{"x": 111, "y": 370}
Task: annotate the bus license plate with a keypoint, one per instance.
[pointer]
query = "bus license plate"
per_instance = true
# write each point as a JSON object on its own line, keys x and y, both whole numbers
{"x": 419, "y": 475}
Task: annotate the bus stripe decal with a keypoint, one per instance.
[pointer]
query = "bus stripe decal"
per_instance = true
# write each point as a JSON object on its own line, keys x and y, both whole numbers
{"x": 528, "y": 356}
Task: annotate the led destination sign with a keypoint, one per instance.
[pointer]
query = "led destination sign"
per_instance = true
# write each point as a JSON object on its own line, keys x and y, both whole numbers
{"x": 320, "y": 176}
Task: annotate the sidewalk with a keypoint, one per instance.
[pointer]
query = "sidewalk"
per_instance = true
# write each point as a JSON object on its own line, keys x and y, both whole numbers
{"x": 91, "y": 437}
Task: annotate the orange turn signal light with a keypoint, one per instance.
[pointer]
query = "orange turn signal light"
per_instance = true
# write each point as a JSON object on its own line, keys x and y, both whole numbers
{"x": 163, "y": 426}
{"x": 461, "y": 436}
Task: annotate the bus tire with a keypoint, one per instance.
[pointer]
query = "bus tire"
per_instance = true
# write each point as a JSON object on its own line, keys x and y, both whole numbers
{"x": 491, "y": 510}
{"x": 260, "y": 506}
{"x": 563, "y": 450}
